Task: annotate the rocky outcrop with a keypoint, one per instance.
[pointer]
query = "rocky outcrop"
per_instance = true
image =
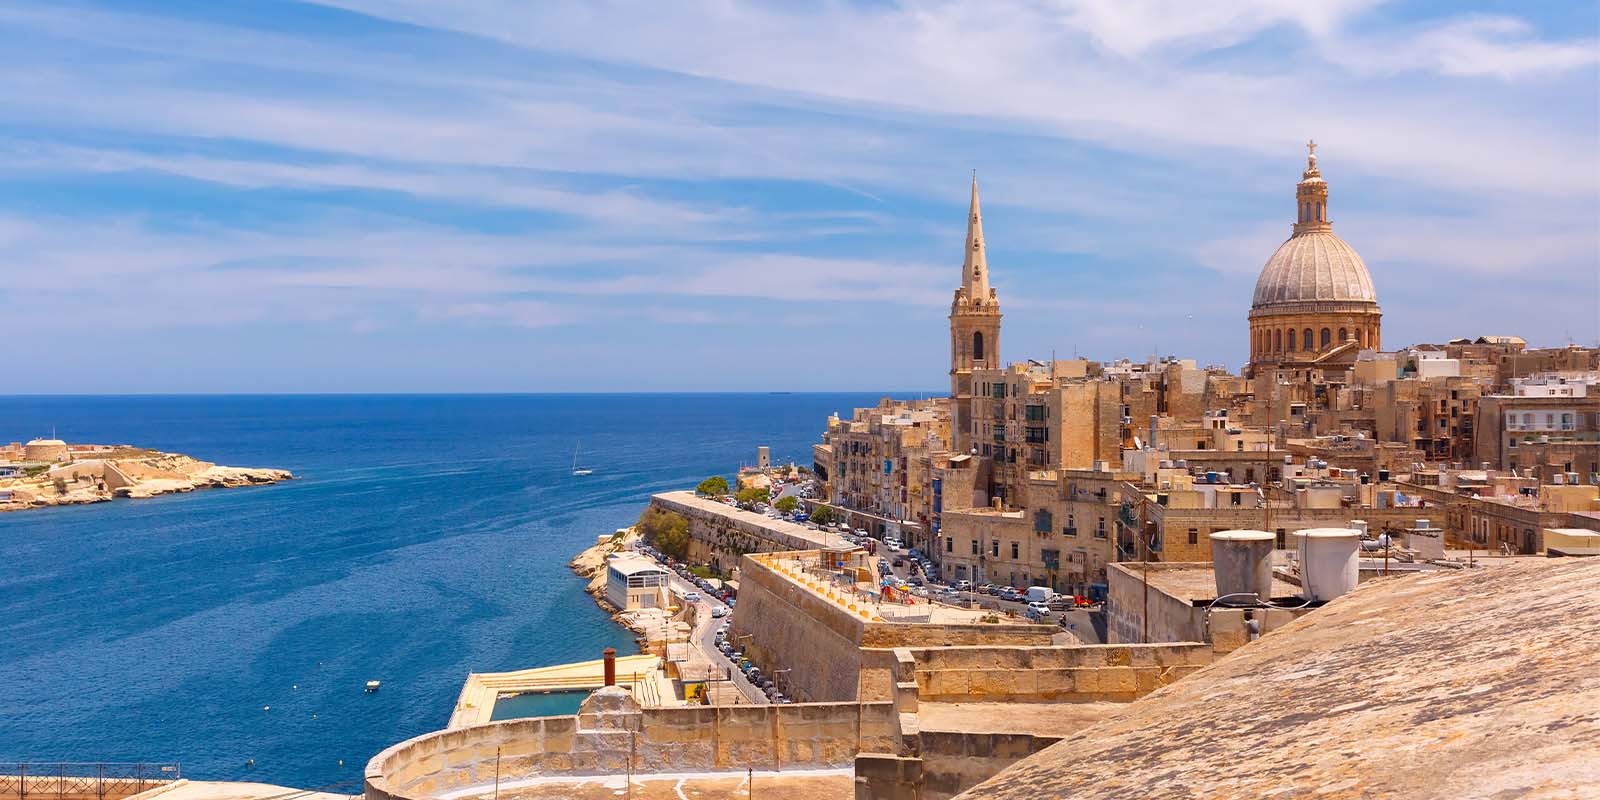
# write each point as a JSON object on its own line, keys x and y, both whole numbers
{"x": 144, "y": 474}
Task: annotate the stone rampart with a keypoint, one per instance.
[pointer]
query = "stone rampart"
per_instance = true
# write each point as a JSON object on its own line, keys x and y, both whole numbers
{"x": 612, "y": 734}
{"x": 786, "y": 625}
{"x": 1067, "y": 673}
{"x": 954, "y": 762}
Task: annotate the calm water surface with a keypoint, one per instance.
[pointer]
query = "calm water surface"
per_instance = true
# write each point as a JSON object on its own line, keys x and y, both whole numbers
{"x": 428, "y": 537}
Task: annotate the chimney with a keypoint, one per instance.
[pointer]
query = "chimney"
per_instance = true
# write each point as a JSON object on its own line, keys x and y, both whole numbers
{"x": 611, "y": 666}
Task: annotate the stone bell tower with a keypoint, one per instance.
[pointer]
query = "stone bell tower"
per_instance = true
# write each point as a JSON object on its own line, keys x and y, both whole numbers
{"x": 974, "y": 327}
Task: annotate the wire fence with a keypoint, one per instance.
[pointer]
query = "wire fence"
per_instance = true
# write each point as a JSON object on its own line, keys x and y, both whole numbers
{"x": 66, "y": 780}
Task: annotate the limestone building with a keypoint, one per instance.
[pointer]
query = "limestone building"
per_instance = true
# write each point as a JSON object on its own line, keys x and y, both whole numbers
{"x": 974, "y": 326}
{"x": 1314, "y": 300}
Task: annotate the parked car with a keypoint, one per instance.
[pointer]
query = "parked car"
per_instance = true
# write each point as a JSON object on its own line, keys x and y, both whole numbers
{"x": 719, "y": 612}
{"x": 963, "y": 586}
{"x": 692, "y": 597}
{"x": 1038, "y": 607}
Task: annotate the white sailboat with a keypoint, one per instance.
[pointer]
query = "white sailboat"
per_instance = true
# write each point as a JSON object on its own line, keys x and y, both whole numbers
{"x": 577, "y": 470}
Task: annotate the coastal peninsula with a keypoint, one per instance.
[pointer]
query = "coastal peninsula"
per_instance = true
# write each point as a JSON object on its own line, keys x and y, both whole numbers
{"x": 50, "y": 472}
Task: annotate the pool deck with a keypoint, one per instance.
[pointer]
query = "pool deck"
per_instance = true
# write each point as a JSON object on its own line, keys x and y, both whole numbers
{"x": 642, "y": 674}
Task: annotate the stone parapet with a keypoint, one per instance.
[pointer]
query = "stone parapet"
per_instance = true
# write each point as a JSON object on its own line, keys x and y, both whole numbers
{"x": 611, "y": 735}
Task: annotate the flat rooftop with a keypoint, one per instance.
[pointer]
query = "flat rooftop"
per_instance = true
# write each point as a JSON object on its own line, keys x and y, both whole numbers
{"x": 1191, "y": 581}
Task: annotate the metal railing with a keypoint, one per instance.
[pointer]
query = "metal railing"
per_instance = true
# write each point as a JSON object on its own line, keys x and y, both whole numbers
{"x": 66, "y": 779}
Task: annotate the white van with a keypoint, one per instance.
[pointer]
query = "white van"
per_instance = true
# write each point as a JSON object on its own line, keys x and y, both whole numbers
{"x": 1038, "y": 594}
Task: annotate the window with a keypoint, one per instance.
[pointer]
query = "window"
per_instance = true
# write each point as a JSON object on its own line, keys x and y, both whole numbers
{"x": 1327, "y": 336}
{"x": 1291, "y": 341}
{"x": 1306, "y": 342}
{"x": 1343, "y": 334}
{"x": 1041, "y": 521}
{"x": 977, "y": 345}
{"x": 974, "y": 546}
{"x": 949, "y": 543}
{"x": 994, "y": 548}
{"x": 1100, "y": 531}
{"x": 1277, "y": 341}
{"x": 1194, "y": 536}
{"x": 1013, "y": 551}
{"x": 1282, "y": 537}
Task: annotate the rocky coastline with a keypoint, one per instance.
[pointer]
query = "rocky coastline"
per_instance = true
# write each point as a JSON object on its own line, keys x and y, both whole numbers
{"x": 590, "y": 564}
{"x": 128, "y": 473}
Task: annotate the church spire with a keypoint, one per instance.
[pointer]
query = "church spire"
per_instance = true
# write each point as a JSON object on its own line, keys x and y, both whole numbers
{"x": 975, "y": 269}
{"x": 1311, "y": 196}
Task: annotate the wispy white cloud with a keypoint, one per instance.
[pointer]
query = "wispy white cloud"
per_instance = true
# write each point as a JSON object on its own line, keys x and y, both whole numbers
{"x": 1469, "y": 47}
{"x": 612, "y": 166}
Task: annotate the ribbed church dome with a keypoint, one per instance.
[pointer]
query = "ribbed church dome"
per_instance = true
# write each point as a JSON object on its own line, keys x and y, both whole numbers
{"x": 1314, "y": 266}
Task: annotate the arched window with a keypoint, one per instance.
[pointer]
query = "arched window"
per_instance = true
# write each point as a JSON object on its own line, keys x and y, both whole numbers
{"x": 1344, "y": 335}
{"x": 1322, "y": 212}
{"x": 1327, "y": 336}
{"x": 1277, "y": 341}
{"x": 977, "y": 345}
{"x": 1291, "y": 341}
{"x": 1306, "y": 342}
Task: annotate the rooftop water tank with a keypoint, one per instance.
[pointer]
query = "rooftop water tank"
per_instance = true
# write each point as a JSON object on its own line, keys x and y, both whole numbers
{"x": 1328, "y": 562}
{"x": 1242, "y": 562}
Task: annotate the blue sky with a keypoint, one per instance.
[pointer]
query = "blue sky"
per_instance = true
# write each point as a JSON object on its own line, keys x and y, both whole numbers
{"x": 494, "y": 195}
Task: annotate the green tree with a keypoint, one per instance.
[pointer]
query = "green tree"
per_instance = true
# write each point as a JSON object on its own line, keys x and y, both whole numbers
{"x": 714, "y": 486}
{"x": 750, "y": 496}
{"x": 786, "y": 504}
{"x": 822, "y": 515}
{"x": 666, "y": 531}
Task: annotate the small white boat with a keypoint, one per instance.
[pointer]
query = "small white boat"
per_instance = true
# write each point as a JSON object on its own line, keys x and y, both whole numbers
{"x": 372, "y": 686}
{"x": 577, "y": 470}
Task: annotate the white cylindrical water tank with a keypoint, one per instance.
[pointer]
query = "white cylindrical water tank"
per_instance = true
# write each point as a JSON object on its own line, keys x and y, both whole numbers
{"x": 1329, "y": 564}
{"x": 1242, "y": 563}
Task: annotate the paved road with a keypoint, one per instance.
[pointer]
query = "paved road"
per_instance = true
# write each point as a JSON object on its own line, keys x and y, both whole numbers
{"x": 703, "y": 637}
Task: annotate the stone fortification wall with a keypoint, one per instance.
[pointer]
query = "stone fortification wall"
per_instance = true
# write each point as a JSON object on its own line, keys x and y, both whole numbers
{"x": 820, "y": 642}
{"x": 1071, "y": 673}
{"x": 792, "y": 628}
{"x": 610, "y": 726}
{"x": 955, "y": 762}
{"x": 720, "y": 534}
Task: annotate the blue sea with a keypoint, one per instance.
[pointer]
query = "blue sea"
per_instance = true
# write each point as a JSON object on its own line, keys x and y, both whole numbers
{"x": 427, "y": 537}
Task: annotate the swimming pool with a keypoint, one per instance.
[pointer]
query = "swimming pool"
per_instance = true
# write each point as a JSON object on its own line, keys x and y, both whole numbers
{"x": 538, "y": 704}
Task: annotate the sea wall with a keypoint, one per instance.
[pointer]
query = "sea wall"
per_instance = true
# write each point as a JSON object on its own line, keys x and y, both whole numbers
{"x": 719, "y": 534}
{"x": 611, "y": 734}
